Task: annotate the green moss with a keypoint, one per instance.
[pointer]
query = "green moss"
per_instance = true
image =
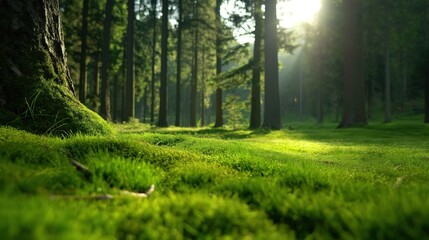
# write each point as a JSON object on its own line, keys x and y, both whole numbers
{"x": 40, "y": 100}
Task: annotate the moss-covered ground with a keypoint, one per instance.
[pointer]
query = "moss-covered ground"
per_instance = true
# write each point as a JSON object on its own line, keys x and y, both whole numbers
{"x": 311, "y": 182}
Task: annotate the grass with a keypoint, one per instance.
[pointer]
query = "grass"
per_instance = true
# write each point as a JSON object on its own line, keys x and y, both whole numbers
{"x": 312, "y": 182}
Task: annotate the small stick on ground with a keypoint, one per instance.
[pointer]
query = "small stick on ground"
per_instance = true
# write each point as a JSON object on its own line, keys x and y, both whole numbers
{"x": 82, "y": 168}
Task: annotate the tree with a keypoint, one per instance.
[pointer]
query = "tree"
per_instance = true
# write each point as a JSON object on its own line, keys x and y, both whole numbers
{"x": 82, "y": 76}
{"x": 354, "y": 85}
{"x": 130, "y": 84}
{"x": 219, "y": 111}
{"x": 387, "y": 110}
{"x": 194, "y": 81}
{"x": 179, "y": 62}
{"x": 255, "y": 113}
{"x": 36, "y": 91}
{"x": 152, "y": 88}
{"x": 272, "y": 100}
{"x": 426, "y": 62}
{"x": 162, "y": 117}
{"x": 105, "y": 58}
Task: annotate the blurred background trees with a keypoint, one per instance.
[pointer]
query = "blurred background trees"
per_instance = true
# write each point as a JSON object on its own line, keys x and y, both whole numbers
{"x": 212, "y": 61}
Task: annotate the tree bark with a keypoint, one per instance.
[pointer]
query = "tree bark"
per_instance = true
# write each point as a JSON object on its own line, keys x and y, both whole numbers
{"x": 354, "y": 85}
{"x": 36, "y": 91}
{"x": 218, "y": 104}
{"x": 272, "y": 117}
{"x": 203, "y": 88}
{"x": 162, "y": 116}
{"x": 387, "y": 108}
{"x": 179, "y": 64}
{"x": 105, "y": 89}
{"x": 193, "y": 110}
{"x": 82, "y": 76}
{"x": 130, "y": 83}
{"x": 255, "y": 111}
{"x": 426, "y": 75}
{"x": 96, "y": 83}
{"x": 152, "y": 89}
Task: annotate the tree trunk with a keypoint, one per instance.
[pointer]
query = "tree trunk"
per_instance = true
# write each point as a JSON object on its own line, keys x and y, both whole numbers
{"x": 145, "y": 93}
{"x": 354, "y": 85}
{"x": 387, "y": 110}
{"x": 162, "y": 117}
{"x": 203, "y": 88}
{"x": 255, "y": 111}
{"x": 123, "y": 76}
{"x": 272, "y": 118}
{"x": 152, "y": 89}
{"x": 36, "y": 91}
{"x": 426, "y": 76}
{"x": 193, "y": 110}
{"x": 218, "y": 104}
{"x": 179, "y": 64}
{"x": 130, "y": 84}
{"x": 82, "y": 76}
{"x": 105, "y": 89}
{"x": 96, "y": 82}
{"x": 115, "y": 98}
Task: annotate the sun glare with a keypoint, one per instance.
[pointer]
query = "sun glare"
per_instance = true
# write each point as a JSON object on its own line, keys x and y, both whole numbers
{"x": 294, "y": 12}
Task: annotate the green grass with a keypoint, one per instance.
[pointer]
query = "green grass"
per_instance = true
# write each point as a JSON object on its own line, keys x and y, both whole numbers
{"x": 312, "y": 182}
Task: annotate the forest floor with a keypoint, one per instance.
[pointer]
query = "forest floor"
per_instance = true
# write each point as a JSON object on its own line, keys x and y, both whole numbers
{"x": 314, "y": 182}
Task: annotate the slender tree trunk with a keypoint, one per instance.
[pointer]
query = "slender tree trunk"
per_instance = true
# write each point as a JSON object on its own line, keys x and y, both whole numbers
{"x": 354, "y": 85}
{"x": 219, "y": 35}
{"x": 96, "y": 82}
{"x": 387, "y": 108}
{"x": 145, "y": 93}
{"x": 152, "y": 90}
{"x": 124, "y": 77}
{"x": 130, "y": 83}
{"x": 82, "y": 76}
{"x": 179, "y": 65}
{"x": 115, "y": 98}
{"x": 272, "y": 117}
{"x": 105, "y": 90}
{"x": 193, "y": 110}
{"x": 255, "y": 111}
{"x": 320, "y": 77}
{"x": 426, "y": 76}
{"x": 162, "y": 117}
{"x": 33, "y": 70}
{"x": 203, "y": 88}
{"x": 403, "y": 87}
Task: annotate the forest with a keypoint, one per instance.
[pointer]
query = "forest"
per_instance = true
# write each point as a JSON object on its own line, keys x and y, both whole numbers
{"x": 214, "y": 119}
{"x": 210, "y": 63}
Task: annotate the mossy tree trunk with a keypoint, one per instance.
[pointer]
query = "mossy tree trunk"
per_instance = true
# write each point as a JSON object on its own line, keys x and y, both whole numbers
{"x": 36, "y": 91}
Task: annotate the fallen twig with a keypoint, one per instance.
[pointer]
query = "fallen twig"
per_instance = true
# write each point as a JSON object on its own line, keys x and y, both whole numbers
{"x": 82, "y": 168}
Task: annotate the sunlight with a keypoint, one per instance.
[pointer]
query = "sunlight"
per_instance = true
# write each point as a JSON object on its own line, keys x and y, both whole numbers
{"x": 294, "y": 12}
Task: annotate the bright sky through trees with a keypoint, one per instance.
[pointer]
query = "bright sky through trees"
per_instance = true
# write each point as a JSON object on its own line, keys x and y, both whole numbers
{"x": 295, "y": 12}
{"x": 290, "y": 13}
